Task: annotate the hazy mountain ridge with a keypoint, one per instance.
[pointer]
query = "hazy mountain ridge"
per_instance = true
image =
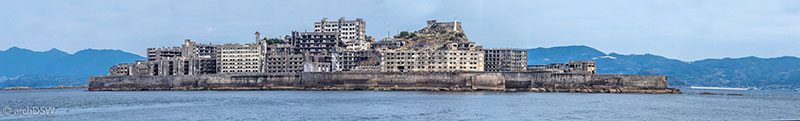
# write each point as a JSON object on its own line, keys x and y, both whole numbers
{"x": 780, "y": 72}
{"x": 24, "y": 67}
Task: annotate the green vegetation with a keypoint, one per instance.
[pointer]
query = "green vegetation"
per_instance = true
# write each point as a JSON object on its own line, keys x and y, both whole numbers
{"x": 443, "y": 31}
{"x": 406, "y": 34}
{"x": 273, "y": 41}
{"x": 403, "y": 34}
{"x": 460, "y": 34}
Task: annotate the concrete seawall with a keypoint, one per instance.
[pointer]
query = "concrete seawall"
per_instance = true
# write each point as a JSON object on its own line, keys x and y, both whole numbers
{"x": 430, "y": 81}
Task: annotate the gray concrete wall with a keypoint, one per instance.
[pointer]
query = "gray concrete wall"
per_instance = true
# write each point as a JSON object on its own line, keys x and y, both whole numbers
{"x": 440, "y": 81}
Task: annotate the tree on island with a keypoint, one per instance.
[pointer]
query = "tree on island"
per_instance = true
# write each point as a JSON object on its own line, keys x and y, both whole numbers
{"x": 273, "y": 41}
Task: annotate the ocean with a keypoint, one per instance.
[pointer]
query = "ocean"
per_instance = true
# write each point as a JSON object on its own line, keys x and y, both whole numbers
{"x": 78, "y": 104}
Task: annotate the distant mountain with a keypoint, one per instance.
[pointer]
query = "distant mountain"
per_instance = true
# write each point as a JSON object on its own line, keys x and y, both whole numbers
{"x": 24, "y": 67}
{"x": 770, "y": 73}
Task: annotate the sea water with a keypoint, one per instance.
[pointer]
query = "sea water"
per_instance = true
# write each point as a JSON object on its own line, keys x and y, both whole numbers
{"x": 78, "y": 104}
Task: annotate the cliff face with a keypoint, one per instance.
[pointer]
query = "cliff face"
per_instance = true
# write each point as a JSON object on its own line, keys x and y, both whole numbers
{"x": 436, "y": 81}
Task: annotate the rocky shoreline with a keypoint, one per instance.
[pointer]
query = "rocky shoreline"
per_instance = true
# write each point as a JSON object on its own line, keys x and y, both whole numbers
{"x": 438, "y": 81}
{"x": 574, "y": 90}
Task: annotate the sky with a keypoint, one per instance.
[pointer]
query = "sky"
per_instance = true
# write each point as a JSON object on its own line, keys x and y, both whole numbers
{"x": 687, "y": 30}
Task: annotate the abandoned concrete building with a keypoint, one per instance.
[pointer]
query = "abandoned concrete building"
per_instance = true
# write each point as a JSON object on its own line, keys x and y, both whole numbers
{"x": 352, "y": 33}
{"x": 164, "y": 52}
{"x": 387, "y": 44}
{"x": 188, "y": 59}
{"x": 437, "y": 61}
{"x": 120, "y": 69}
{"x": 282, "y": 58}
{"x": 438, "y": 26}
{"x": 571, "y": 67}
{"x": 349, "y": 60}
{"x": 315, "y": 43}
{"x": 235, "y": 58}
{"x": 202, "y": 57}
{"x": 506, "y": 59}
{"x": 136, "y": 68}
{"x": 325, "y": 50}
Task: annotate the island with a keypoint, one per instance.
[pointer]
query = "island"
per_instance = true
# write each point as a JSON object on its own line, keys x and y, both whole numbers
{"x": 338, "y": 55}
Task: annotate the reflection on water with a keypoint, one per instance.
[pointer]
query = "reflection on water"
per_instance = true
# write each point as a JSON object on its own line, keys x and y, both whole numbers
{"x": 77, "y": 104}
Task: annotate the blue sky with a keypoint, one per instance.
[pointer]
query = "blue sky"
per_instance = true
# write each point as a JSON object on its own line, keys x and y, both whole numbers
{"x": 682, "y": 29}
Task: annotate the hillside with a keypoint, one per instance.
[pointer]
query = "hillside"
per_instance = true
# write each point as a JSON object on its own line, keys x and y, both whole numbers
{"x": 434, "y": 36}
{"x": 24, "y": 67}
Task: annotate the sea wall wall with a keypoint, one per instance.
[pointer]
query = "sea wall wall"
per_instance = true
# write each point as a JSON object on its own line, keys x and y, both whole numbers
{"x": 432, "y": 81}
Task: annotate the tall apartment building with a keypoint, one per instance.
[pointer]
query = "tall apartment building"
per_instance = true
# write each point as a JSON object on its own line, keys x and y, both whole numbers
{"x": 317, "y": 49}
{"x": 506, "y": 59}
{"x": 201, "y": 56}
{"x": 164, "y": 52}
{"x": 315, "y": 43}
{"x": 196, "y": 50}
{"x": 349, "y": 30}
{"x": 282, "y": 58}
{"x": 236, "y": 58}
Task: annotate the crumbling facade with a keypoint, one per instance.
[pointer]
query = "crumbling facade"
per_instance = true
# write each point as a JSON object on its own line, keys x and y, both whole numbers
{"x": 282, "y": 58}
{"x": 316, "y": 43}
{"x": 164, "y": 52}
{"x": 235, "y": 58}
{"x": 506, "y": 59}
{"x": 351, "y": 32}
{"x": 120, "y": 69}
{"x": 432, "y": 61}
{"x": 587, "y": 67}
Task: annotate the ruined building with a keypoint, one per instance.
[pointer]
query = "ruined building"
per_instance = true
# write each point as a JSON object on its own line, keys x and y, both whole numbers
{"x": 282, "y": 58}
{"x": 351, "y": 32}
{"x": 315, "y": 43}
{"x": 202, "y": 57}
{"x": 439, "y": 47}
{"x": 235, "y": 58}
{"x": 506, "y": 59}
{"x": 437, "y": 57}
{"x": 317, "y": 49}
{"x": 164, "y": 52}
{"x": 432, "y": 61}
{"x": 571, "y": 67}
